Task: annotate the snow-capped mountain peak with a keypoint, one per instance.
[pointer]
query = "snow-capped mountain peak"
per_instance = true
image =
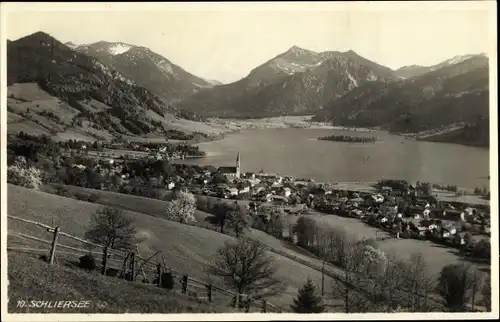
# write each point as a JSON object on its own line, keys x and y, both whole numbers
{"x": 71, "y": 45}
{"x": 458, "y": 59}
{"x": 118, "y": 48}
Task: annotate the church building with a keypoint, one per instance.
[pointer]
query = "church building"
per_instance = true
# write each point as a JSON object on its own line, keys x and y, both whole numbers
{"x": 231, "y": 173}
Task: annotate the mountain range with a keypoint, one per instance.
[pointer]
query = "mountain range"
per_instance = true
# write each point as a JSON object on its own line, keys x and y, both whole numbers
{"x": 146, "y": 68}
{"x": 297, "y": 81}
{"x": 142, "y": 89}
{"x": 452, "y": 94}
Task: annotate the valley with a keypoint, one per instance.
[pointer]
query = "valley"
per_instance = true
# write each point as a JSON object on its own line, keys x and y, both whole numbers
{"x": 326, "y": 166}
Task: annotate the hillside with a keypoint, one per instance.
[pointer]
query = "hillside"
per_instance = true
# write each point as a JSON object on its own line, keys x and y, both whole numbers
{"x": 56, "y": 283}
{"x": 84, "y": 94}
{"x": 146, "y": 68}
{"x": 296, "y": 82}
{"x": 186, "y": 249}
{"x": 474, "y": 134}
{"x": 456, "y": 93}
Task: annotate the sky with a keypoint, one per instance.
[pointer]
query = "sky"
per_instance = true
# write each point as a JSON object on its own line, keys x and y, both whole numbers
{"x": 226, "y": 41}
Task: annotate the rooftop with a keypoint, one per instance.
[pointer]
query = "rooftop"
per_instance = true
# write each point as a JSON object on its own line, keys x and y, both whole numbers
{"x": 227, "y": 169}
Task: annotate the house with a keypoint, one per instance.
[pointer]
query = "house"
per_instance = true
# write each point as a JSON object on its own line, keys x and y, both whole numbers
{"x": 269, "y": 177}
{"x": 79, "y": 166}
{"x": 250, "y": 175}
{"x": 386, "y": 190}
{"x": 280, "y": 200}
{"x": 233, "y": 191}
{"x": 245, "y": 189}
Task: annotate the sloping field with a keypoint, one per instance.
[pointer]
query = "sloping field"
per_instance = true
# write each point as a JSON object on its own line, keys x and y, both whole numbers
{"x": 31, "y": 278}
{"x": 27, "y": 126}
{"x": 156, "y": 208}
{"x": 186, "y": 248}
{"x": 22, "y": 97}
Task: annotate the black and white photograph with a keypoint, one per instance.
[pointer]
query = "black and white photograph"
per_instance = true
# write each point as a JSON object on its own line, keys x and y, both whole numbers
{"x": 259, "y": 161}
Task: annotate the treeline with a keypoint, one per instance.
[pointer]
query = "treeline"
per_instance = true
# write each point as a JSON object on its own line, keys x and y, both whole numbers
{"x": 376, "y": 281}
{"x": 43, "y": 153}
{"x": 347, "y": 138}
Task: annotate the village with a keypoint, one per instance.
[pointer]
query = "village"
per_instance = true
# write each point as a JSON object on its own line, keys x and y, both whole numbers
{"x": 403, "y": 209}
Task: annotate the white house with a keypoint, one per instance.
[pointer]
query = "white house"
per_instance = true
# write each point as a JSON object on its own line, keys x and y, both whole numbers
{"x": 244, "y": 190}
{"x": 233, "y": 191}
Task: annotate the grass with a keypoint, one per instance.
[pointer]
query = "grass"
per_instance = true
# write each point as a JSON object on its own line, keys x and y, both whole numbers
{"x": 437, "y": 256}
{"x": 32, "y": 279}
{"x": 187, "y": 249}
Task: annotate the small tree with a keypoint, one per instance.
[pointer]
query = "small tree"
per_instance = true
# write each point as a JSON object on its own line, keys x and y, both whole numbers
{"x": 239, "y": 220}
{"x": 305, "y": 229}
{"x": 307, "y": 301}
{"x": 182, "y": 208}
{"x": 454, "y": 286}
{"x": 221, "y": 213}
{"x": 246, "y": 268}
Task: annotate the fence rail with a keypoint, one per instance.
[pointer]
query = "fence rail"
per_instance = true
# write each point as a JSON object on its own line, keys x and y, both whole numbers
{"x": 240, "y": 301}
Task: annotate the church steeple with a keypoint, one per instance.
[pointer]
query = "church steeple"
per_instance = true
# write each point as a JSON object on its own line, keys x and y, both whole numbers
{"x": 238, "y": 166}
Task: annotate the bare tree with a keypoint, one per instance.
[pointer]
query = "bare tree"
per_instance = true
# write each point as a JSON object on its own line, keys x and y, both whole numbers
{"x": 345, "y": 287}
{"x": 246, "y": 268}
{"x": 112, "y": 229}
{"x": 486, "y": 292}
{"x": 418, "y": 283}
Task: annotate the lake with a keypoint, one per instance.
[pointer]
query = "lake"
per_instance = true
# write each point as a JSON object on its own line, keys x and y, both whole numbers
{"x": 297, "y": 152}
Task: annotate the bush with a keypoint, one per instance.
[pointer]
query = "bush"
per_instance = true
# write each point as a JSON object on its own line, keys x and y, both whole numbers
{"x": 88, "y": 262}
{"x": 167, "y": 281}
{"x": 482, "y": 250}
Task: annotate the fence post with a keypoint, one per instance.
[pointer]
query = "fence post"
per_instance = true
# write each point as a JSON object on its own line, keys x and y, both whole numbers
{"x": 104, "y": 260}
{"x": 159, "y": 271}
{"x": 248, "y": 304}
{"x": 184, "y": 284}
{"x": 264, "y": 306}
{"x": 132, "y": 265}
{"x": 209, "y": 290}
{"x": 53, "y": 247}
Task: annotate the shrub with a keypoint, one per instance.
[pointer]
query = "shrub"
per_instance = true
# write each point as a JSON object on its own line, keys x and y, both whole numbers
{"x": 482, "y": 249}
{"x": 167, "y": 281}
{"x": 88, "y": 262}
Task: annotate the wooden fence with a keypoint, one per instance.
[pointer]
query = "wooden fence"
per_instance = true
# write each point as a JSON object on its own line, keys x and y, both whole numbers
{"x": 131, "y": 265}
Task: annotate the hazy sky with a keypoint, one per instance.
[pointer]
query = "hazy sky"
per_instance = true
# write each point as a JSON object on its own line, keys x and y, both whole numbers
{"x": 227, "y": 44}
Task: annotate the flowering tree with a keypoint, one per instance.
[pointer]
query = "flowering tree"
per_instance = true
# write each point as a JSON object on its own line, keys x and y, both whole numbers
{"x": 182, "y": 208}
{"x": 374, "y": 261}
{"x": 23, "y": 175}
